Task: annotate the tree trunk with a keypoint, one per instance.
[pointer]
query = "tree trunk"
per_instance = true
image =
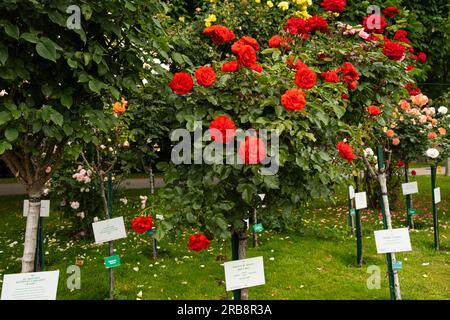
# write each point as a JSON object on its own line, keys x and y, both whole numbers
{"x": 255, "y": 234}
{"x": 152, "y": 180}
{"x": 242, "y": 255}
{"x": 111, "y": 247}
{"x": 34, "y": 212}
{"x": 384, "y": 193}
{"x": 447, "y": 167}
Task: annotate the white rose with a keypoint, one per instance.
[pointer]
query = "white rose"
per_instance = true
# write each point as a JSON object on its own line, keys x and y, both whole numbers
{"x": 75, "y": 205}
{"x": 3, "y": 93}
{"x": 157, "y": 61}
{"x": 368, "y": 152}
{"x": 433, "y": 111}
{"x": 432, "y": 153}
{"x": 442, "y": 110}
{"x": 145, "y": 82}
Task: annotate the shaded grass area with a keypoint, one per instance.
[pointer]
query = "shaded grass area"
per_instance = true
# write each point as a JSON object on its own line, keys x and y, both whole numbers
{"x": 318, "y": 262}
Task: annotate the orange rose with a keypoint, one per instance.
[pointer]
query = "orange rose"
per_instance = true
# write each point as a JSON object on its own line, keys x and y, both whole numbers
{"x": 434, "y": 122}
{"x": 390, "y": 133}
{"x": 119, "y": 108}
{"x": 442, "y": 131}
{"x": 396, "y": 141}
{"x": 432, "y": 135}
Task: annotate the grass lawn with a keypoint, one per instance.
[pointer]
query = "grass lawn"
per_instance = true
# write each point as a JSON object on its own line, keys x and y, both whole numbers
{"x": 317, "y": 263}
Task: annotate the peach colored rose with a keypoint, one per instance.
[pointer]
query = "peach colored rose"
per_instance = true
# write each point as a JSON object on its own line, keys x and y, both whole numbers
{"x": 390, "y": 133}
{"x": 396, "y": 141}
{"x": 432, "y": 135}
{"x": 442, "y": 131}
{"x": 420, "y": 100}
{"x": 404, "y": 105}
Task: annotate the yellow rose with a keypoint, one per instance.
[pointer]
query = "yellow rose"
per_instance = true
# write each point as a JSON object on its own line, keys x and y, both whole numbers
{"x": 270, "y": 4}
{"x": 284, "y": 5}
{"x": 258, "y": 1}
{"x": 304, "y": 14}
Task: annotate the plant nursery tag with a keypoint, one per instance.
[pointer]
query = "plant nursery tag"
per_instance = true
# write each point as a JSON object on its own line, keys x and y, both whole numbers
{"x": 412, "y": 211}
{"x": 45, "y": 208}
{"x": 109, "y": 230}
{"x": 352, "y": 212}
{"x": 244, "y": 273}
{"x": 410, "y": 188}
{"x": 439, "y": 169}
{"x": 351, "y": 192}
{"x": 360, "y": 200}
{"x": 112, "y": 262}
{"x": 437, "y": 195}
{"x": 151, "y": 231}
{"x": 393, "y": 240}
{"x": 262, "y": 196}
{"x": 397, "y": 265}
{"x": 30, "y": 286}
{"x": 258, "y": 228}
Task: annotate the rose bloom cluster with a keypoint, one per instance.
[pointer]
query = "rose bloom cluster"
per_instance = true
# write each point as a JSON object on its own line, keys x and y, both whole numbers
{"x": 82, "y": 175}
{"x": 414, "y": 112}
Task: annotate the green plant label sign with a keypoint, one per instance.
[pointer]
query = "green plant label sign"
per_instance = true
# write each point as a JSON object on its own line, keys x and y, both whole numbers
{"x": 397, "y": 265}
{"x": 112, "y": 262}
{"x": 352, "y": 212}
{"x": 412, "y": 211}
{"x": 258, "y": 228}
{"x": 151, "y": 231}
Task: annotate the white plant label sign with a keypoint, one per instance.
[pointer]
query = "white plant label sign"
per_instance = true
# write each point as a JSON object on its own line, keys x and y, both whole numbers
{"x": 109, "y": 230}
{"x": 351, "y": 192}
{"x": 244, "y": 273}
{"x": 410, "y": 188}
{"x": 393, "y": 240}
{"x": 437, "y": 195}
{"x": 45, "y": 208}
{"x": 360, "y": 200}
{"x": 30, "y": 286}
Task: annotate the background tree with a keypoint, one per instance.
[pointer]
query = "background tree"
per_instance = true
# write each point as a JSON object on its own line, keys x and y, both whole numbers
{"x": 59, "y": 80}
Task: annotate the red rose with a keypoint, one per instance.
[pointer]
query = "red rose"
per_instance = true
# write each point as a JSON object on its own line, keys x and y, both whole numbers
{"x": 373, "y": 111}
{"x": 296, "y": 26}
{"x": 252, "y": 150}
{"x": 142, "y": 224}
{"x": 346, "y": 151}
{"x": 352, "y": 85}
{"x": 422, "y": 57}
{"x": 316, "y": 23}
{"x": 245, "y": 41}
{"x": 298, "y": 64}
{"x": 334, "y": 5}
{"x": 205, "y": 76}
{"x": 293, "y": 100}
{"x": 409, "y": 68}
{"x": 219, "y": 34}
{"x": 415, "y": 91}
{"x": 257, "y": 68}
{"x": 247, "y": 56}
{"x": 331, "y": 76}
{"x": 391, "y": 11}
{"x": 393, "y": 50}
{"x": 275, "y": 41}
{"x": 351, "y": 75}
{"x": 409, "y": 85}
{"x": 400, "y": 163}
{"x": 413, "y": 172}
{"x": 400, "y": 35}
{"x": 374, "y": 23}
{"x": 305, "y": 78}
{"x": 231, "y": 66}
{"x": 181, "y": 83}
{"x": 198, "y": 242}
{"x": 222, "y": 129}
{"x": 345, "y": 96}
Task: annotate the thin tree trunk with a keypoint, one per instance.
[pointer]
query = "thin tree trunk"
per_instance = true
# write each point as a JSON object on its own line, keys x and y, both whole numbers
{"x": 29, "y": 251}
{"x": 152, "y": 180}
{"x": 447, "y": 167}
{"x": 242, "y": 255}
{"x": 111, "y": 247}
{"x": 255, "y": 234}
{"x": 383, "y": 184}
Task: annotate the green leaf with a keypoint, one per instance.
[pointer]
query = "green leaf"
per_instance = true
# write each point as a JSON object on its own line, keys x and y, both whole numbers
{"x": 12, "y": 31}
{"x": 271, "y": 182}
{"x": 178, "y": 58}
{"x": 11, "y": 134}
{"x": 339, "y": 110}
{"x": 3, "y": 54}
{"x": 248, "y": 191}
{"x": 4, "y": 145}
{"x": 30, "y": 37}
{"x": 57, "y": 118}
{"x": 94, "y": 86}
{"x": 46, "y": 49}
{"x": 4, "y": 117}
{"x": 67, "y": 101}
